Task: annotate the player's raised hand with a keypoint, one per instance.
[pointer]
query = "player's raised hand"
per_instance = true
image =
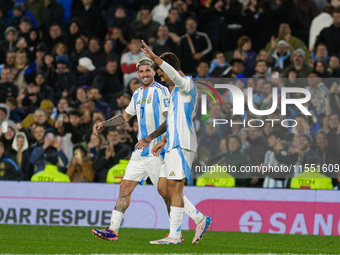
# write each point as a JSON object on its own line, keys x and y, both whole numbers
{"x": 142, "y": 143}
{"x": 147, "y": 51}
{"x": 98, "y": 127}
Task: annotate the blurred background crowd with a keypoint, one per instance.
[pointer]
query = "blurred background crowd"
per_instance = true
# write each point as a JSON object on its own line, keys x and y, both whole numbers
{"x": 67, "y": 64}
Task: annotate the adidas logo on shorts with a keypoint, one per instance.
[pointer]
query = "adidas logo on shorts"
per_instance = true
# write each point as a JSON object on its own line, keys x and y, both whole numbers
{"x": 172, "y": 174}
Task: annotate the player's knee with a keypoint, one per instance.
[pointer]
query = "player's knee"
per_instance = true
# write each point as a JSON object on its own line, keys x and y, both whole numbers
{"x": 125, "y": 189}
{"x": 162, "y": 191}
{"x": 171, "y": 189}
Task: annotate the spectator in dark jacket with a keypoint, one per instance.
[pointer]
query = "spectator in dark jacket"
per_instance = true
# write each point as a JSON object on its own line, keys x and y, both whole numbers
{"x": 235, "y": 158}
{"x": 27, "y": 168}
{"x": 75, "y": 126}
{"x": 74, "y": 31}
{"x": 11, "y": 35}
{"x": 119, "y": 19}
{"x": 194, "y": 46}
{"x": 54, "y": 14}
{"x": 64, "y": 84}
{"x": 110, "y": 155}
{"x": 95, "y": 53}
{"x": 146, "y": 26}
{"x": 211, "y": 137}
{"x": 50, "y": 146}
{"x": 53, "y": 36}
{"x": 108, "y": 83}
{"x": 164, "y": 42}
{"x": 91, "y": 18}
{"x": 325, "y": 152}
{"x": 16, "y": 114}
{"x": 7, "y": 88}
{"x": 9, "y": 170}
{"x": 94, "y": 95}
{"x": 330, "y": 36}
{"x": 174, "y": 22}
{"x": 258, "y": 145}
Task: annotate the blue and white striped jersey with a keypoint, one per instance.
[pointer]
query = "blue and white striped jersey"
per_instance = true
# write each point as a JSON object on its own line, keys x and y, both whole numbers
{"x": 181, "y": 130}
{"x": 268, "y": 182}
{"x": 149, "y": 106}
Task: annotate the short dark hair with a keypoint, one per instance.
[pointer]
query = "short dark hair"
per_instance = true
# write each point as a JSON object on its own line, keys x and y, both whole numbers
{"x": 81, "y": 147}
{"x": 25, "y": 20}
{"x": 333, "y": 113}
{"x": 259, "y": 61}
{"x": 12, "y": 100}
{"x": 112, "y": 129}
{"x": 216, "y": 53}
{"x": 203, "y": 61}
{"x": 292, "y": 70}
{"x": 172, "y": 60}
{"x": 269, "y": 82}
{"x": 96, "y": 39}
{"x": 121, "y": 7}
{"x": 191, "y": 18}
{"x": 173, "y": 8}
{"x": 124, "y": 94}
{"x": 236, "y": 60}
{"x": 36, "y": 124}
{"x": 277, "y": 132}
{"x": 54, "y": 24}
{"x": 75, "y": 113}
{"x": 110, "y": 59}
{"x": 315, "y": 72}
{"x": 7, "y": 68}
{"x": 145, "y": 7}
{"x": 51, "y": 159}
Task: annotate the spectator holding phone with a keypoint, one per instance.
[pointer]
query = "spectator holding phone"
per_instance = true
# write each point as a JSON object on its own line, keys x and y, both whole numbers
{"x": 50, "y": 146}
{"x": 80, "y": 169}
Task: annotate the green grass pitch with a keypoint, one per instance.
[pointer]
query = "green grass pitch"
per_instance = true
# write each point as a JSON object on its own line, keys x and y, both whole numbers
{"x": 79, "y": 240}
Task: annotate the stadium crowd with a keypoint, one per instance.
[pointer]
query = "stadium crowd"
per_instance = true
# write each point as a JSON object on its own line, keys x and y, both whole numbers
{"x": 66, "y": 65}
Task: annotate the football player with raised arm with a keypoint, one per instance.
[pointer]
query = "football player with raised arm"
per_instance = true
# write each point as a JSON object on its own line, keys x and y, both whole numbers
{"x": 180, "y": 141}
{"x": 150, "y": 104}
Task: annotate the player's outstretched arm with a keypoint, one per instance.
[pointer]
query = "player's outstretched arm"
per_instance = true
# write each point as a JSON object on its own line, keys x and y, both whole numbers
{"x": 113, "y": 122}
{"x": 179, "y": 81}
{"x": 149, "y": 53}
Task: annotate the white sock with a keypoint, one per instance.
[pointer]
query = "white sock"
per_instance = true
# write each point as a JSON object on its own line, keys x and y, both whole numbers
{"x": 116, "y": 220}
{"x": 191, "y": 211}
{"x": 176, "y": 217}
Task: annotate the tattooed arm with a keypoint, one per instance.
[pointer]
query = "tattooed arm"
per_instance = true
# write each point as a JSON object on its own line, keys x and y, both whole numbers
{"x": 113, "y": 122}
{"x": 142, "y": 143}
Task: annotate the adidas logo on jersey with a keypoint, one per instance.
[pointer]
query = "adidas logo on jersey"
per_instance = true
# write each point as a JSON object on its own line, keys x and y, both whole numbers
{"x": 172, "y": 174}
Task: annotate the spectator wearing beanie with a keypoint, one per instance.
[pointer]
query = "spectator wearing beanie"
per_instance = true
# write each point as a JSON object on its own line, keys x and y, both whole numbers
{"x": 46, "y": 108}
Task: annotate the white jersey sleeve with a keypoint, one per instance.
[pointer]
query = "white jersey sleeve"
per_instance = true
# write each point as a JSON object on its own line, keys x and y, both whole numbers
{"x": 181, "y": 130}
{"x": 183, "y": 84}
{"x": 164, "y": 99}
{"x": 131, "y": 109}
